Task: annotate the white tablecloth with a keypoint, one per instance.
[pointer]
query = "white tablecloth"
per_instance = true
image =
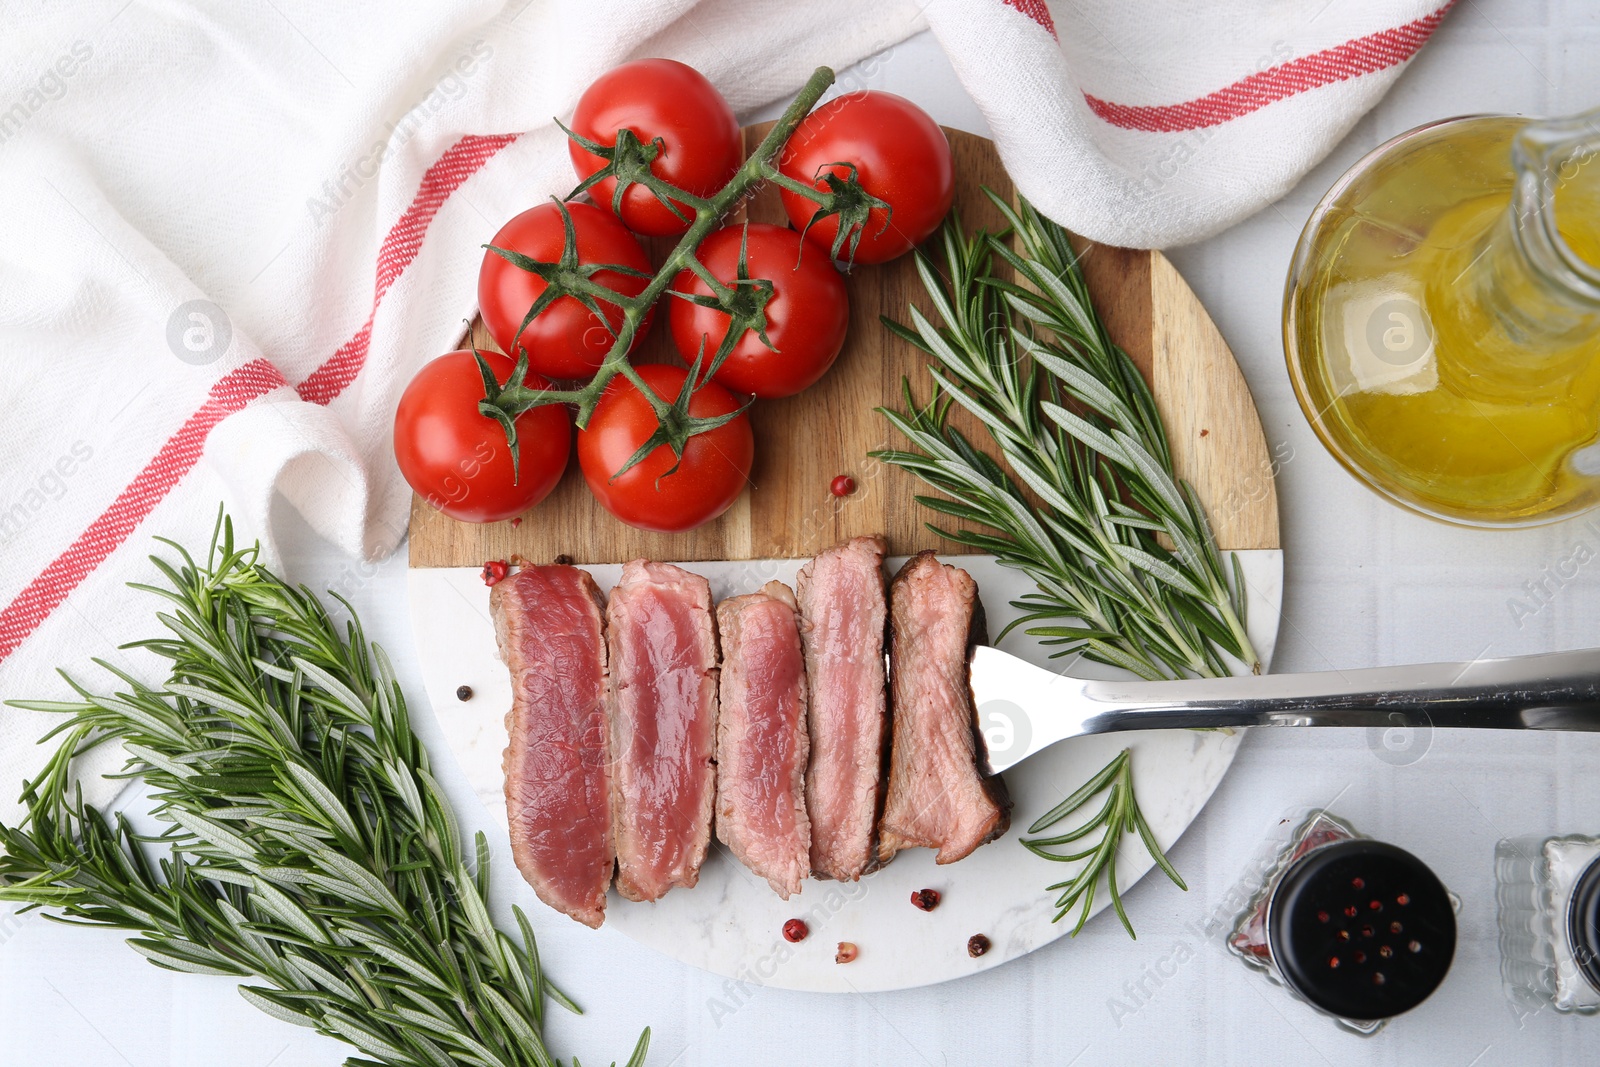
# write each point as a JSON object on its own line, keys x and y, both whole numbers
{"x": 1366, "y": 584}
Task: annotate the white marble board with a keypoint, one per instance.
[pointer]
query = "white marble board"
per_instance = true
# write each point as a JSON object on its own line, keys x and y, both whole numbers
{"x": 731, "y": 922}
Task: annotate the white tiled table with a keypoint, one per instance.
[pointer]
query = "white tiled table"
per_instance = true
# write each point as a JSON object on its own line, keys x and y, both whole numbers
{"x": 1366, "y": 584}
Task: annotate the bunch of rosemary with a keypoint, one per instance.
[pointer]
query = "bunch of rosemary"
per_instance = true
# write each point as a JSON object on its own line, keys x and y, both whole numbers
{"x": 307, "y": 845}
{"x": 1125, "y": 566}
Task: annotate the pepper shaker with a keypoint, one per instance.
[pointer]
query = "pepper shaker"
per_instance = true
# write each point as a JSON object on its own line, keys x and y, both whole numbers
{"x": 1359, "y": 929}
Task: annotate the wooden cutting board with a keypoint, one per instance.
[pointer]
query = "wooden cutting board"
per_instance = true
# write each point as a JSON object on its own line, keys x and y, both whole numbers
{"x": 803, "y": 442}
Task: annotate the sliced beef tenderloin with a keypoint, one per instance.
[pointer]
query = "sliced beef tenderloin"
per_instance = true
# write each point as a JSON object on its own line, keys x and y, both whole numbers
{"x": 551, "y": 632}
{"x": 762, "y": 743}
{"x": 843, "y": 613}
{"x": 663, "y": 709}
{"x": 937, "y": 796}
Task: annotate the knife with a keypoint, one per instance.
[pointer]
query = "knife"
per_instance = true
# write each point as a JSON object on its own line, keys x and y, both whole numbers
{"x": 1024, "y": 709}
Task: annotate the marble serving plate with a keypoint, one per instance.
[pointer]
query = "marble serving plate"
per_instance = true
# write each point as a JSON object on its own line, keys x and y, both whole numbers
{"x": 731, "y": 922}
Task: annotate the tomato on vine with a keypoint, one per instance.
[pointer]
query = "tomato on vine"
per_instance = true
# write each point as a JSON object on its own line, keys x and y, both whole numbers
{"x": 806, "y": 310}
{"x": 458, "y": 460}
{"x": 898, "y": 154}
{"x": 661, "y": 491}
{"x": 566, "y": 339}
{"x": 675, "y": 123}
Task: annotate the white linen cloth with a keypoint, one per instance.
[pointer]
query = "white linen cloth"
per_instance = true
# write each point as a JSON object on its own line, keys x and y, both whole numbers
{"x": 233, "y": 231}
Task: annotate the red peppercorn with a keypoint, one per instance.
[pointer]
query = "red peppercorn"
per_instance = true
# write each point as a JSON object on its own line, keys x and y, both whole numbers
{"x": 926, "y": 899}
{"x": 847, "y": 952}
{"x": 977, "y": 945}
{"x": 795, "y": 930}
{"x": 495, "y": 570}
{"x": 843, "y": 485}
{"x": 516, "y": 522}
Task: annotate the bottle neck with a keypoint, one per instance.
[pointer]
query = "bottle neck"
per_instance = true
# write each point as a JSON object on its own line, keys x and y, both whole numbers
{"x": 1524, "y": 280}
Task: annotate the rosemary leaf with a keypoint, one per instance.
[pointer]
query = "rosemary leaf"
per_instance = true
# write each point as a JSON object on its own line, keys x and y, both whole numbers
{"x": 1087, "y": 504}
{"x": 307, "y": 845}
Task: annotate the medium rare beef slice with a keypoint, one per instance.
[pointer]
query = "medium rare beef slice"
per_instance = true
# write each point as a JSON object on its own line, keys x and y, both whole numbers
{"x": 762, "y": 743}
{"x": 937, "y": 796}
{"x": 843, "y": 613}
{"x": 551, "y": 631}
{"x": 663, "y": 709}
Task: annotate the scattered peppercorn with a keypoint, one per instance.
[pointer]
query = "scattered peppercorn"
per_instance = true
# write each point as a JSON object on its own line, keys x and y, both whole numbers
{"x": 926, "y": 899}
{"x": 795, "y": 930}
{"x": 563, "y": 560}
{"x": 977, "y": 945}
{"x": 843, "y": 485}
{"x": 847, "y": 952}
{"x": 463, "y": 692}
{"x": 516, "y": 522}
{"x": 495, "y": 570}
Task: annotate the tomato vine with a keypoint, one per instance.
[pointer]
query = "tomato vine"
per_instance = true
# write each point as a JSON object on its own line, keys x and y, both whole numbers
{"x": 628, "y": 161}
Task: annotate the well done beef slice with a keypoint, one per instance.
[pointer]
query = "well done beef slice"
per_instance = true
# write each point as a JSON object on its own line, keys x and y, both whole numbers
{"x": 937, "y": 796}
{"x": 663, "y": 711}
{"x": 762, "y": 740}
{"x": 842, "y": 613}
{"x": 551, "y": 631}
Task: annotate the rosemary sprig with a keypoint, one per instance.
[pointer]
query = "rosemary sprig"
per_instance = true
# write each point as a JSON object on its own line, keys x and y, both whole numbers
{"x": 1119, "y": 815}
{"x": 1126, "y": 569}
{"x": 306, "y": 842}
{"x": 1076, "y": 424}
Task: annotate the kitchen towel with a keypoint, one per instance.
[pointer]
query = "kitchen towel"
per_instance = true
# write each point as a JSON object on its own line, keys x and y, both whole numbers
{"x": 235, "y": 230}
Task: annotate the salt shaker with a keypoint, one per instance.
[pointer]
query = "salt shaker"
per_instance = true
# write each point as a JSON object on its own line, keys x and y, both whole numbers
{"x": 1548, "y": 897}
{"x": 1359, "y": 929}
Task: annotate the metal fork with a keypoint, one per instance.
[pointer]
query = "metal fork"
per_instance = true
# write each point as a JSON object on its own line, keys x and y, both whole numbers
{"x": 1024, "y": 709}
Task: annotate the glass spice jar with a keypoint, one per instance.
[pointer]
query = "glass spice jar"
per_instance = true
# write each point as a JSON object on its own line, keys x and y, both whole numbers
{"x": 1359, "y": 929}
{"x": 1547, "y": 892}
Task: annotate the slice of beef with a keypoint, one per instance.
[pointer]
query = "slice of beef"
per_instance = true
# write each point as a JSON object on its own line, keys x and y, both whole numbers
{"x": 663, "y": 726}
{"x": 549, "y": 624}
{"x": 842, "y": 614}
{"x": 937, "y": 797}
{"x": 762, "y": 744}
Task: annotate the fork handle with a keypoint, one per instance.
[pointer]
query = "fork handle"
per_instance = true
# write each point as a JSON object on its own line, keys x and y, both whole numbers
{"x": 1551, "y": 691}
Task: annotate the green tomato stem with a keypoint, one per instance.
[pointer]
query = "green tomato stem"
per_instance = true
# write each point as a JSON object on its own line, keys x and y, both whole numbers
{"x": 708, "y": 214}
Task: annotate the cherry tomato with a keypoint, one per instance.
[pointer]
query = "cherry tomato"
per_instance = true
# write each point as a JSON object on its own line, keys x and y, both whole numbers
{"x": 701, "y": 145}
{"x": 566, "y": 340}
{"x": 715, "y": 465}
{"x": 806, "y": 316}
{"x": 458, "y": 460}
{"x": 901, "y": 156}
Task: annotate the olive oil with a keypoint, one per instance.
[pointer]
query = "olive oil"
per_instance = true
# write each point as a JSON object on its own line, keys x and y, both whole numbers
{"x": 1440, "y": 327}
